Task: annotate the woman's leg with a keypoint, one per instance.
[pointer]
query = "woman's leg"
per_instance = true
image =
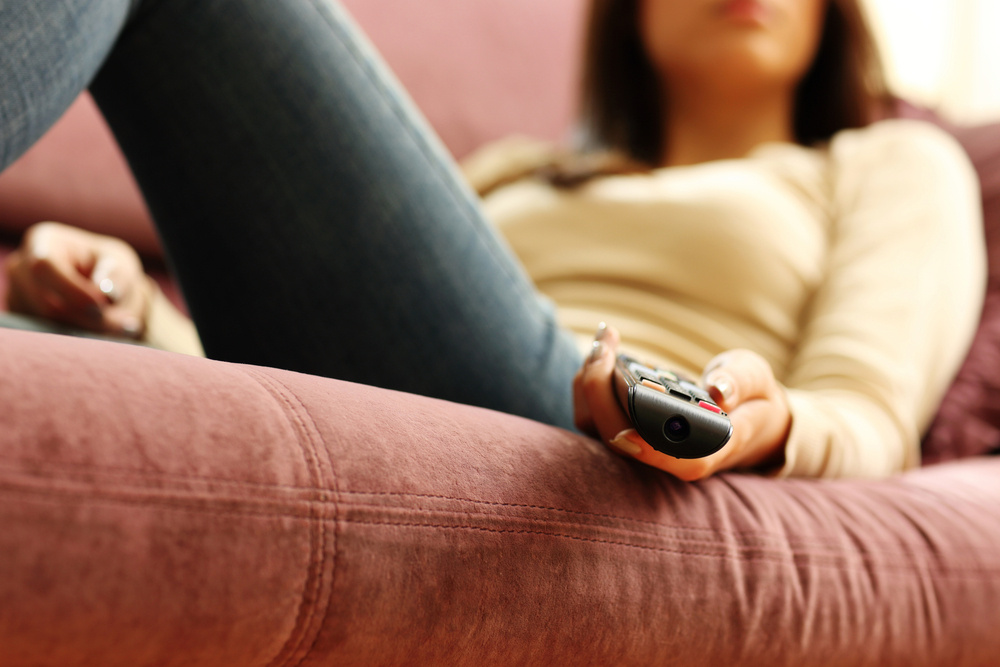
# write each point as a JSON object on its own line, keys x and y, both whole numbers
{"x": 49, "y": 51}
{"x": 313, "y": 220}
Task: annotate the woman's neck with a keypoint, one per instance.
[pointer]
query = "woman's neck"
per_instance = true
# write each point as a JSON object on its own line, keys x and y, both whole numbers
{"x": 703, "y": 127}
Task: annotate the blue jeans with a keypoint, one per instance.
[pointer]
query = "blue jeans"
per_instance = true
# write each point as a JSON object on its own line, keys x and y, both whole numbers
{"x": 313, "y": 220}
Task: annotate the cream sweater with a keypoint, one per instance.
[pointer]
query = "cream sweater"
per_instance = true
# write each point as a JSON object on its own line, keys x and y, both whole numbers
{"x": 856, "y": 270}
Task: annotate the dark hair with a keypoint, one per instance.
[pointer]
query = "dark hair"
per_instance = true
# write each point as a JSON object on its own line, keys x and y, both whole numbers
{"x": 621, "y": 101}
{"x": 620, "y": 125}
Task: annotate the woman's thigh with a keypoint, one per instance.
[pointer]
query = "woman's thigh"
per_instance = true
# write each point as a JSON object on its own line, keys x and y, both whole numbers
{"x": 49, "y": 51}
{"x": 314, "y": 221}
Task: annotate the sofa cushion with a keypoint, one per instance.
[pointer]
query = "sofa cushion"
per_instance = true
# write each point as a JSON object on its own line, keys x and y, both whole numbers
{"x": 170, "y": 510}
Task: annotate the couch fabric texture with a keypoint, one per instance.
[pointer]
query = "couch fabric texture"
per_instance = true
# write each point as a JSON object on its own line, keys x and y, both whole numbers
{"x": 171, "y": 510}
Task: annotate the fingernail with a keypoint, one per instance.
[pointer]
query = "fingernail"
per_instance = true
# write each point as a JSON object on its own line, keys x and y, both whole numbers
{"x": 602, "y": 329}
{"x": 716, "y": 364}
{"x": 622, "y": 443}
{"x": 720, "y": 385}
{"x": 596, "y": 351}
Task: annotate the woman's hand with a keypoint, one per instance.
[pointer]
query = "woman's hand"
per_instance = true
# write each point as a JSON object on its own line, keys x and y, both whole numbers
{"x": 740, "y": 381}
{"x": 79, "y": 278}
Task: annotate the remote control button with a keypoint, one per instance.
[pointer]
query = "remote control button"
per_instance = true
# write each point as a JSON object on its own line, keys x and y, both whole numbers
{"x": 696, "y": 391}
{"x": 684, "y": 396}
{"x": 710, "y": 406}
{"x": 654, "y": 385}
{"x": 702, "y": 395}
{"x": 667, "y": 375}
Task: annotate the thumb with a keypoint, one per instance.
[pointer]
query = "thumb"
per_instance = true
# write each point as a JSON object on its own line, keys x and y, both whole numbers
{"x": 738, "y": 376}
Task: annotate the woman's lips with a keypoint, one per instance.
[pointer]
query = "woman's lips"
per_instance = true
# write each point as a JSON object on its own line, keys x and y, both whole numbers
{"x": 752, "y": 12}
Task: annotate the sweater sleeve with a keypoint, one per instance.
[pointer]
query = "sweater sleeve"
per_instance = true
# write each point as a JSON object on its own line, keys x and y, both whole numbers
{"x": 898, "y": 306}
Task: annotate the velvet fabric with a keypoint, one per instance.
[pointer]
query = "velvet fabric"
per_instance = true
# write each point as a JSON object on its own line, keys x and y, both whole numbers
{"x": 166, "y": 510}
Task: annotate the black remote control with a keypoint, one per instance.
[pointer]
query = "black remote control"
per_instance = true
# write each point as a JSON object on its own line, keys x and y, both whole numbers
{"x": 671, "y": 413}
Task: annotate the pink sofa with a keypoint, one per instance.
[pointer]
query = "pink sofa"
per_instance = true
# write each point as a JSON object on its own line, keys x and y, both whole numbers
{"x": 165, "y": 510}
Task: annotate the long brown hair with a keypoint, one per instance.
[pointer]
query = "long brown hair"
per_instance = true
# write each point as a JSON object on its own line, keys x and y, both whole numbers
{"x": 620, "y": 118}
{"x": 621, "y": 102}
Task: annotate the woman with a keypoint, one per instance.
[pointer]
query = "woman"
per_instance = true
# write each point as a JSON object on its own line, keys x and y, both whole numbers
{"x": 746, "y": 240}
{"x": 755, "y": 226}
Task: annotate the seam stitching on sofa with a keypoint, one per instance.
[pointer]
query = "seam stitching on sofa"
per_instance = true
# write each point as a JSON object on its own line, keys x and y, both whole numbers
{"x": 792, "y": 539}
{"x": 160, "y": 503}
{"x": 857, "y": 560}
{"x": 179, "y": 504}
{"x": 307, "y": 611}
{"x": 494, "y": 503}
{"x": 116, "y": 502}
{"x": 112, "y": 501}
{"x": 646, "y": 522}
{"x": 759, "y": 540}
{"x": 334, "y": 501}
{"x": 118, "y": 470}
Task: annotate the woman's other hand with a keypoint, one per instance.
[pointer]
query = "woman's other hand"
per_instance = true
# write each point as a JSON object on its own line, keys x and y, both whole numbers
{"x": 79, "y": 278}
{"x": 740, "y": 381}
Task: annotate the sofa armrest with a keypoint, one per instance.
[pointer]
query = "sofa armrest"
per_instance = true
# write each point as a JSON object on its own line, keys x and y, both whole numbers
{"x": 163, "y": 509}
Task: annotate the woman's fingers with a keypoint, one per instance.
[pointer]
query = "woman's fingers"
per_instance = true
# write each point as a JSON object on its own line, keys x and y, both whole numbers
{"x": 27, "y": 293}
{"x": 78, "y": 278}
{"x": 599, "y": 413}
{"x": 582, "y": 416}
{"x": 127, "y": 316}
{"x": 122, "y": 283}
{"x": 743, "y": 384}
{"x": 740, "y": 381}
{"x": 59, "y": 276}
{"x": 49, "y": 269}
{"x": 737, "y": 376}
{"x": 597, "y": 409}
{"x": 689, "y": 470}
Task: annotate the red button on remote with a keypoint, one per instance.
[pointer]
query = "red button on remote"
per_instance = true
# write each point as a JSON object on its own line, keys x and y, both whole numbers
{"x": 709, "y": 406}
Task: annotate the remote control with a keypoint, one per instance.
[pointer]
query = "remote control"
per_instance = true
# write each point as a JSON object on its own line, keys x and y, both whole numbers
{"x": 671, "y": 413}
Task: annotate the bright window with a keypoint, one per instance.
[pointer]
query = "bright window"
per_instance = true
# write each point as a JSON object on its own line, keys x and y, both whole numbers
{"x": 942, "y": 53}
